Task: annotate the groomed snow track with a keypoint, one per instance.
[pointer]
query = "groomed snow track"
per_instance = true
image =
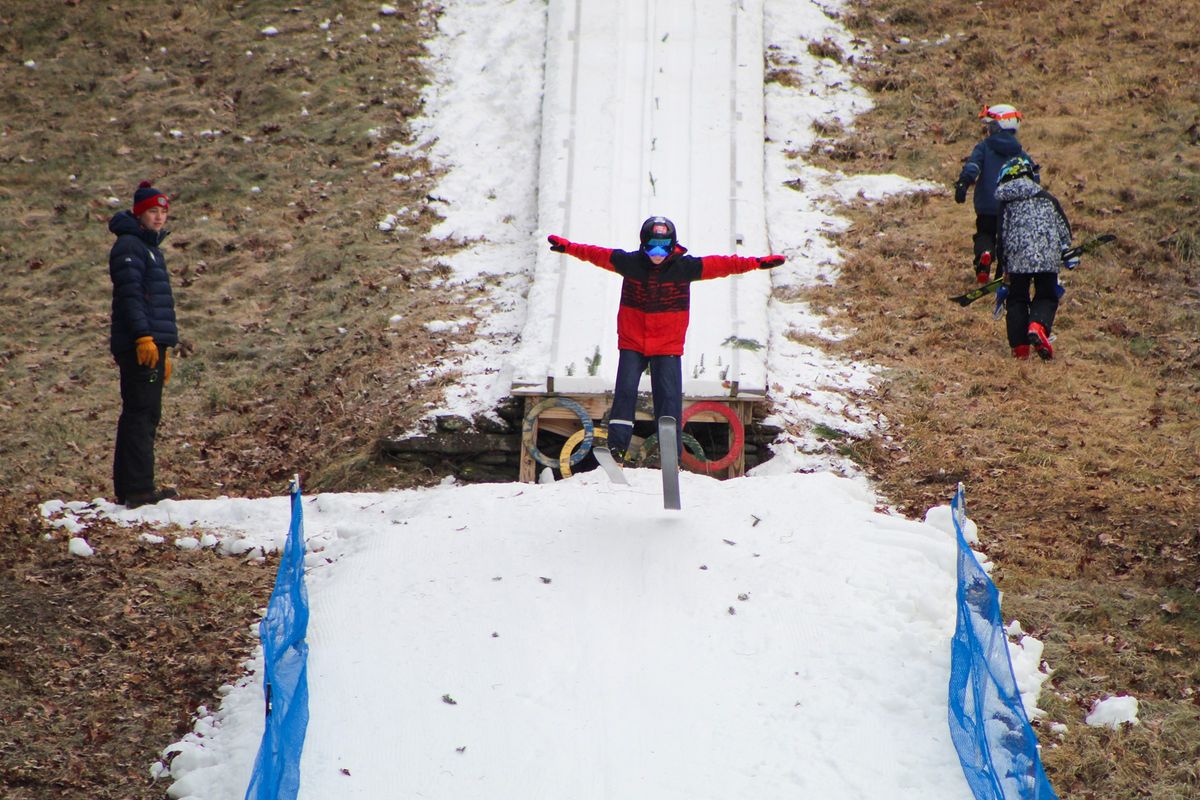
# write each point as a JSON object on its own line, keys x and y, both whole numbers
{"x": 650, "y": 107}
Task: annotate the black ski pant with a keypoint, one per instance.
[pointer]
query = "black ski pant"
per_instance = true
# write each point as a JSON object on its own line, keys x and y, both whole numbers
{"x": 666, "y": 389}
{"x": 141, "y": 410}
{"x": 1021, "y": 310}
{"x": 985, "y": 239}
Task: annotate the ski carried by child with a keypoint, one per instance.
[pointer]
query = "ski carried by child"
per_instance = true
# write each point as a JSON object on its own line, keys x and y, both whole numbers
{"x": 1070, "y": 256}
{"x": 966, "y": 298}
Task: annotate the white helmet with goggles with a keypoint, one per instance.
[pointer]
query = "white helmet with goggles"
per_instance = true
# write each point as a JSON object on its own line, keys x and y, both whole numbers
{"x": 1002, "y": 117}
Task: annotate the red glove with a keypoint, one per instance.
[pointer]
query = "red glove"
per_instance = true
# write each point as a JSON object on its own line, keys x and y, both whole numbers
{"x": 767, "y": 262}
{"x": 557, "y": 243}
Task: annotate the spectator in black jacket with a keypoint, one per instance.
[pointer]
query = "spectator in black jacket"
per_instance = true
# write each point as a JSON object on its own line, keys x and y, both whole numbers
{"x": 143, "y": 327}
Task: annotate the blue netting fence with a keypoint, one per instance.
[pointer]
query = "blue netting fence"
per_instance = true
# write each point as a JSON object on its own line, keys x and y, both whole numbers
{"x": 276, "y": 773}
{"x": 996, "y": 745}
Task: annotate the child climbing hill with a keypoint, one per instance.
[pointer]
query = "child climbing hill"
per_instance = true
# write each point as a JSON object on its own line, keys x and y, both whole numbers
{"x": 1033, "y": 240}
{"x": 981, "y": 170}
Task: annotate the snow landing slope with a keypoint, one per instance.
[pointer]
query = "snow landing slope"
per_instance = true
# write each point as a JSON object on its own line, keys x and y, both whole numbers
{"x": 778, "y": 638}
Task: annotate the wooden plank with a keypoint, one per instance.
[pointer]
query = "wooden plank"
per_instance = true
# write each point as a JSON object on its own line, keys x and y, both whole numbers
{"x": 527, "y": 473}
{"x": 744, "y": 413}
{"x": 563, "y": 427}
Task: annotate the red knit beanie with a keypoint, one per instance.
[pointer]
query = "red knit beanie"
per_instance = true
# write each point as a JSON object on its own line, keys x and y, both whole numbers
{"x": 147, "y": 197}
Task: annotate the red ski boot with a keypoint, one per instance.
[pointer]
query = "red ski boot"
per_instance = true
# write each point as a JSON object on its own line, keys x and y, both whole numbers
{"x": 1040, "y": 341}
{"x": 983, "y": 269}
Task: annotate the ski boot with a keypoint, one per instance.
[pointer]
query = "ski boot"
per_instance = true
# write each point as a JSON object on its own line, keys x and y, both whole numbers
{"x": 1040, "y": 341}
{"x": 983, "y": 268}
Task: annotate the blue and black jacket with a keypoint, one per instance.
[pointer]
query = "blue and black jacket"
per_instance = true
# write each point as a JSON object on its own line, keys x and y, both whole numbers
{"x": 982, "y": 168}
{"x": 142, "y": 302}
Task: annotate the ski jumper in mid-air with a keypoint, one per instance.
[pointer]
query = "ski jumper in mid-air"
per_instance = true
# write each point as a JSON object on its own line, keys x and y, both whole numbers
{"x": 652, "y": 320}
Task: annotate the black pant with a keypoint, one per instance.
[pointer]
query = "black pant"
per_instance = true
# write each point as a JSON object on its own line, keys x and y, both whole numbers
{"x": 141, "y": 410}
{"x": 1022, "y": 311}
{"x": 666, "y": 388}
{"x": 985, "y": 239}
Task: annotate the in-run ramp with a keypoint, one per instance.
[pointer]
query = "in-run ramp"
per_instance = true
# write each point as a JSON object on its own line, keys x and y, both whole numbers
{"x": 650, "y": 107}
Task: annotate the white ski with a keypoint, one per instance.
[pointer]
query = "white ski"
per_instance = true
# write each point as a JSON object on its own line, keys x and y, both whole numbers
{"x": 668, "y": 454}
{"x": 605, "y": 459}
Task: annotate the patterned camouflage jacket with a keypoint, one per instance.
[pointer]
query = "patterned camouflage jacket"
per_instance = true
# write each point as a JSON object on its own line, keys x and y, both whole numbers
{"x": 1032, "y": 230}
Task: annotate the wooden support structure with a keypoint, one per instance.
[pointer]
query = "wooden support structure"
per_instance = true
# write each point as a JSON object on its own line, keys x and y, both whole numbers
{"x": 564, "y": 422}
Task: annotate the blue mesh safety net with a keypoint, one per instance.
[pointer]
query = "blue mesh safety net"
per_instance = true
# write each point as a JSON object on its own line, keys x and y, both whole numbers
{"x": 276, "y": 773}
{"x": 996, "y": 745}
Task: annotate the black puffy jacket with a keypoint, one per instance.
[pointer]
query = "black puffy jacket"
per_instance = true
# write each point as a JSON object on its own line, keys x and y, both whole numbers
{"x": 982, "y": 168}
{"x": 142, "y": 301}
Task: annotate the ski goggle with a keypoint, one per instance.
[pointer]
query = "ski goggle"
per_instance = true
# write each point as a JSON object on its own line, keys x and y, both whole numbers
{"x": 658, "y": 247}
{"x": 988, "y": 113}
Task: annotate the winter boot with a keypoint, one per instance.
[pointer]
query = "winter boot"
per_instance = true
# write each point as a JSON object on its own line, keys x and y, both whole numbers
{"x": 139, "y": 499}
{"x": 1040, "y": 341}
{"x": 1021, "y": 351}
{"x": 983, "y": 268}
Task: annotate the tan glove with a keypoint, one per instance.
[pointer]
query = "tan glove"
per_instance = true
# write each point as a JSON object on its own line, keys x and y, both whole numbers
{"x": 147, "y": 352}
{"x": 166, "y": 366}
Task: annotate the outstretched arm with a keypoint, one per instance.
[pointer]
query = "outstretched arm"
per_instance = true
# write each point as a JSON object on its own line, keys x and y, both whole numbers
{"x": 720, "y": 266}
{"x": 600, "y": 256}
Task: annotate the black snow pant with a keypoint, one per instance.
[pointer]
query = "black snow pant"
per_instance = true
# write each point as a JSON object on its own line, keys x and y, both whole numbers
{"x": 137, "y": 427}
{"x": 666, "y": 388}
{"x": 985, "y": 240}
{"x": 1021, "y": 311}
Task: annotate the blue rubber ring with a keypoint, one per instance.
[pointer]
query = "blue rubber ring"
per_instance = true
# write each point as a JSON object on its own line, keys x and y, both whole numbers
{"x": 527, "y": 436}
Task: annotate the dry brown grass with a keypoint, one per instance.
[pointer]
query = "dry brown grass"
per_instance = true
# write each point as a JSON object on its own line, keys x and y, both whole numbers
{"x": 1082, "y": 472}
{"x": 283, "y": 293}
{"x": 103, "y": 661}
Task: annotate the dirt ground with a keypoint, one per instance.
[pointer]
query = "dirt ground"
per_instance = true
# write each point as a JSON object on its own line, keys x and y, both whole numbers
{"x": 1082, "y": 472}
{"x": 104, "y": 660}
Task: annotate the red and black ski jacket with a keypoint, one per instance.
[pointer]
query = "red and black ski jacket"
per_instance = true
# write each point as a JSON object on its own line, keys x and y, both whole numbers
{"x": 656, "y": 300}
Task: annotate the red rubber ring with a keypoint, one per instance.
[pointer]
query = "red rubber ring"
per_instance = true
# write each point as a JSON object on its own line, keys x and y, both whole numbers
{"x": 735, "y": 425}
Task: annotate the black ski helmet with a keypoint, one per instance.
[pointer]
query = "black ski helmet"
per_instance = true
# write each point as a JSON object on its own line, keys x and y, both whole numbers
{"x": 658, "y": 228}
{"x": 1015, "y": 167}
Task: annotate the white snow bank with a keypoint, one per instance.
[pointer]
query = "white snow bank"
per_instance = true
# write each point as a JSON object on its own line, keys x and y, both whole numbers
{"x": 1113, "y": 712}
